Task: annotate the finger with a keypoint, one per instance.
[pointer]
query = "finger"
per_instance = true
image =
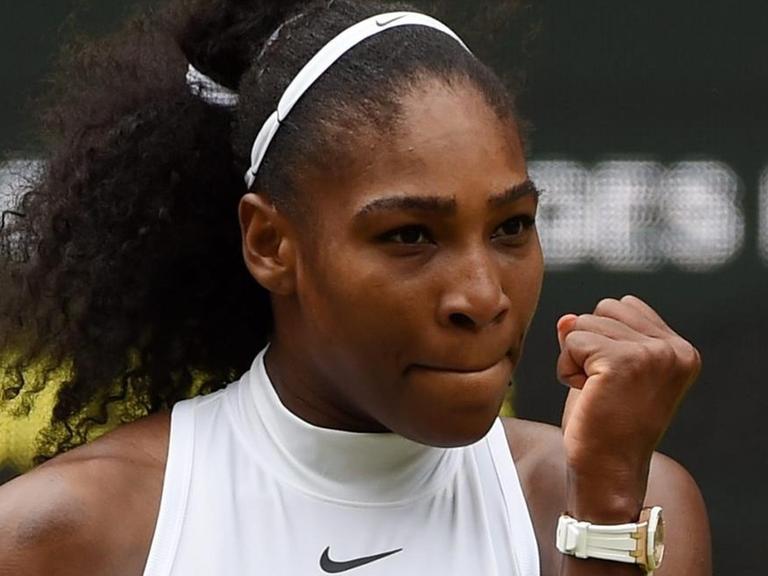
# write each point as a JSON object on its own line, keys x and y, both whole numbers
{"x": 589, "y": 351}
{"x": 564, "y": 327}
{"x": 645, "y": 309}
{"x": 580, "y": 349}
{"x": 613, "y": 329}
{"x": 631, "y": 316}
{"x": 569, "y": 372}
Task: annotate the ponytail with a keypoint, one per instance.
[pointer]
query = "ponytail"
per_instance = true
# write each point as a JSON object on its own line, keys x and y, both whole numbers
{"x": 126, "y": 285}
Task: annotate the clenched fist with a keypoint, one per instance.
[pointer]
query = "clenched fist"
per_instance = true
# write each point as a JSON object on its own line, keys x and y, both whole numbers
{"x": 632, "y": 371}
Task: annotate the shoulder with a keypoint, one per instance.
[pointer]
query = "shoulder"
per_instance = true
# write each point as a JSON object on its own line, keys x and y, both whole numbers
{"x": 539, "y": 456}
{"x": 89, "y": 511}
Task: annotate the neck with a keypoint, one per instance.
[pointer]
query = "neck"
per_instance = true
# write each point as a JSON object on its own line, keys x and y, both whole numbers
{"x": 335, "y": 464}
{"x": 312, "y": 388}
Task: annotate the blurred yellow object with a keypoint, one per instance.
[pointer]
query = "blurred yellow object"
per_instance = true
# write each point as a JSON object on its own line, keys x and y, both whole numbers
{"x": 508, "y": 407}
{"x": 23, "y": 417}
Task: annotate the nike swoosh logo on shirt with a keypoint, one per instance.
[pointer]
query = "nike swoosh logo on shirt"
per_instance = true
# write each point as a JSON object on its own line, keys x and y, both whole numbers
{"x": 332, "y": 567}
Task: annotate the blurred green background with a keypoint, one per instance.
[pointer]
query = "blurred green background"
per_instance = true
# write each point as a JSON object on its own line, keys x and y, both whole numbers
{"x": 651, "y": 142}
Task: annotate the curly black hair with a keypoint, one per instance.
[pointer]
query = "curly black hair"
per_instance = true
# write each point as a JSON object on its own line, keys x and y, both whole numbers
{"x": 121, "y": 266}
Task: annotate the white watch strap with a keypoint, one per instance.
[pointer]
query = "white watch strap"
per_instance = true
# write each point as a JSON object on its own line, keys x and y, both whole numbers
{"x": 587, "y": 540}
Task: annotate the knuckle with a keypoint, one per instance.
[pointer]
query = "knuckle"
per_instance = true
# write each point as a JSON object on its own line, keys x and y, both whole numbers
{"x": 690, "y": 358}
{"x": 581, "y": 320}
{"x": 685, "y": 360}
{"x": 649, "y": 353}
{"x": 605, "y": 305}
{"x": 612, "y": 372}
{"x": 636, "y": 358}
{"x": 653, "y": 355}
{"x": 664, "y": 352}
{"x": 696, "y": 357}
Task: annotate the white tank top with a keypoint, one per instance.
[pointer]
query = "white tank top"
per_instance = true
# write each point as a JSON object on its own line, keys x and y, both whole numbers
{"x": 250, "y": 489}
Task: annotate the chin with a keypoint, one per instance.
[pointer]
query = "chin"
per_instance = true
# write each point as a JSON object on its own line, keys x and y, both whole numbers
{"x": 457, "y": 432}
{"x": 451, "y": 409}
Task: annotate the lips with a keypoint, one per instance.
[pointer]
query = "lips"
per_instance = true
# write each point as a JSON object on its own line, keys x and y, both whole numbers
{"x": 452, "y": 370}
{"x": 466, "y": 369}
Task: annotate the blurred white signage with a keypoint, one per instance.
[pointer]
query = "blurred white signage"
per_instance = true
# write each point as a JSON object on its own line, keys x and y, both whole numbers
{"x": 635, "y": 215}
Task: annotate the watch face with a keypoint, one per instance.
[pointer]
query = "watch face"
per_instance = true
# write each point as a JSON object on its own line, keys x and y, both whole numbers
{"x": 656, "y": 538}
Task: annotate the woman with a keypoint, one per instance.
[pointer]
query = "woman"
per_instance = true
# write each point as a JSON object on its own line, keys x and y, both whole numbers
{"x": 388, "y": 218}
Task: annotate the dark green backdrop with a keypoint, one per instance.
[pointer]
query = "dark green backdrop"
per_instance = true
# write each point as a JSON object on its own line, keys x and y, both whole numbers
{"x": 658, "y": 81}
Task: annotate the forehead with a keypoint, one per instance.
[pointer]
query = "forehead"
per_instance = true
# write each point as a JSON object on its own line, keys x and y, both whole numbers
{"x": 447, "y": 141}
{"x": 453, "y": 118}
{"x": 448, "y": 132}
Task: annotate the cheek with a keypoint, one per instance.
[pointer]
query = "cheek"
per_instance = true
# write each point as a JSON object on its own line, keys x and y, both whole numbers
{"x": 522, "y": 284}
{"x": 359, "y": 333}
{"x": 357, "y": 305}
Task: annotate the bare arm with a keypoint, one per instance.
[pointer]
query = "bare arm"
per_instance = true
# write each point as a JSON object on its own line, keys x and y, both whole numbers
{"x": 629, "y": 372}
{"x": 89, "y": 512}
{"x": 540, "y": 458}
{"x": 42, "y": 526}
{"x": 688, "y": 538}
{"x": 687, "y": 535}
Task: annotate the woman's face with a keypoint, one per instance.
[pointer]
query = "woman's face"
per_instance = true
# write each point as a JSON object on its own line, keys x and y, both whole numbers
{"x": 422, "y": 272}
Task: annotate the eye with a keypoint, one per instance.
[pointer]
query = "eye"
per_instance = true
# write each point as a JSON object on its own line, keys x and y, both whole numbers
{"x": 408, "y": 235}
{"x": 514, "y": 227}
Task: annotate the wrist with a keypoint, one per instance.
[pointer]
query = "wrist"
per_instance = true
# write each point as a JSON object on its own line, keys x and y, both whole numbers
{"x": 639, "y": 544}
{"x": 604, "y": 499}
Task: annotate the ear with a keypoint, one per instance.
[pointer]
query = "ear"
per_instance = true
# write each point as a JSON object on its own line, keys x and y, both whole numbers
{"x": 269, "y": 250}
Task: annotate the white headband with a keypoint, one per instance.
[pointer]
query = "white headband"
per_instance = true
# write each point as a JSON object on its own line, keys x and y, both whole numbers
{"x": 323, "y": 60}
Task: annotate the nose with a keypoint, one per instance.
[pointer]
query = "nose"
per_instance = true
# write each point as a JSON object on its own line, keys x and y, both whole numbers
{"x": 473, "y": 298}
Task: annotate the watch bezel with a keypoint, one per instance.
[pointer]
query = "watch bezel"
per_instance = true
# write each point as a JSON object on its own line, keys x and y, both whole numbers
{"x": 654, "y": 541}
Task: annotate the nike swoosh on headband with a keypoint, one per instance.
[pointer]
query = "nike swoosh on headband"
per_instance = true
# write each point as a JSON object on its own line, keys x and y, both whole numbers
{"x": 332, "y": 567}
{"x": 322, "y": 61}
{"x": 388, "y": 22}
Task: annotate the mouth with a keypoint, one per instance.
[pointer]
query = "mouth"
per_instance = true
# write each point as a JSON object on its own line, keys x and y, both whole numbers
{"x": 466, "y": 370}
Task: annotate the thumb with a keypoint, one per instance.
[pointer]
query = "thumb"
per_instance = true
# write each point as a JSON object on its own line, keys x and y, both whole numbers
{"x": 570, "y": 402}
{"x": 565, "y": 326}
{"x": 569, "y": 372}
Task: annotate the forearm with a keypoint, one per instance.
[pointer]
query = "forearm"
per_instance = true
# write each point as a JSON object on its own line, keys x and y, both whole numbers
{"x": 687, "y": 537}
{"x": 631, "y": 370}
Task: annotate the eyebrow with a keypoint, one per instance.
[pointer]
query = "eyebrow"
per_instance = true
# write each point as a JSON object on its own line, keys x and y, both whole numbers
{"x": 515, "y": 193}
{"x": 442, "y": 205}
